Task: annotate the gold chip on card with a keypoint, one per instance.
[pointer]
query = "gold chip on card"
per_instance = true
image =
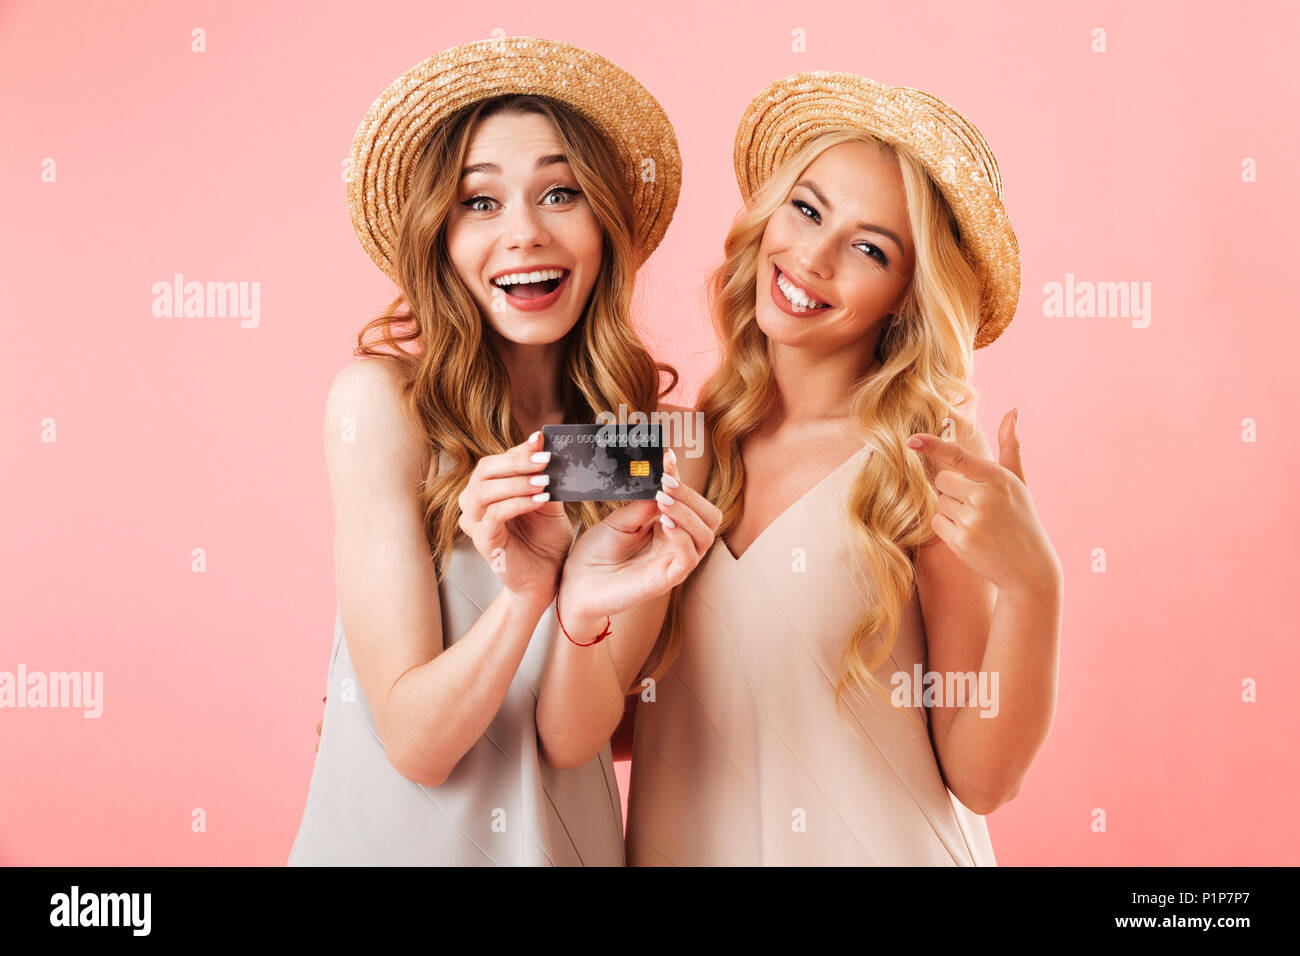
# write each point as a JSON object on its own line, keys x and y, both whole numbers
{"x": 640, "y": 469}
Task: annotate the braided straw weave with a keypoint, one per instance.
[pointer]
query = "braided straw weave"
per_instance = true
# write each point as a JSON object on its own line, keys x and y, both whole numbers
{"x": 790, "y": 113}
{"x": 398, "y": 124}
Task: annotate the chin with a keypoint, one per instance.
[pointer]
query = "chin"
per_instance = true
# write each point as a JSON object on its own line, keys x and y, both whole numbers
{"x": 522, "y": 331}
{"x": 781, "y": 328}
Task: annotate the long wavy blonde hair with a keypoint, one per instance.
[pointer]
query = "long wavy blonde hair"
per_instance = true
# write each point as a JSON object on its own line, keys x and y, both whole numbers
{"x": 455, "y": 384}
{"x": 926, "y": 356}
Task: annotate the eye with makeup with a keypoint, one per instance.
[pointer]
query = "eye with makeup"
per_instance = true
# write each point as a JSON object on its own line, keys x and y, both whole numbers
{"x": 562, "y": 191}
{"x": 808, "y": 212}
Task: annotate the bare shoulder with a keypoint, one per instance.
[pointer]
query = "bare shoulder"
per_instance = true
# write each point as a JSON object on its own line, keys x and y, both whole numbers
{"x": 689, "y": 438}
{"x": 371, "y": 380}
{"x": 388, "y": 598}
{"x": 366, "y": 410}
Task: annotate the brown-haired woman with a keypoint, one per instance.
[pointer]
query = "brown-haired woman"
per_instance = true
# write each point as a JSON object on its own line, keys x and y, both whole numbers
{"x": 515, "y": 233}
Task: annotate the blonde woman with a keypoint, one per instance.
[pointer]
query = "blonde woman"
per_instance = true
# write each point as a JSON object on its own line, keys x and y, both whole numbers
{"x": 794, "y": 719}
{"x": 500, "y": 185}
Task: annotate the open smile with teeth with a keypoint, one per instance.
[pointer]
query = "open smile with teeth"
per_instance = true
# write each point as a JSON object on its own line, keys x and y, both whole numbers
{"x": 801, "y": 301}
{"x": 531, "y": 285}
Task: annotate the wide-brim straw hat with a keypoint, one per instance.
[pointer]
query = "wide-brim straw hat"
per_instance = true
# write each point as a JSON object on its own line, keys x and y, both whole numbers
{"x": 787, "y": 115}
{"x": 398, "y": 124}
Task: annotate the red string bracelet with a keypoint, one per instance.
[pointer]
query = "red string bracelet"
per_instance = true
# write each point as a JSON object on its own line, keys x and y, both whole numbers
{"x": 599, "y": 637}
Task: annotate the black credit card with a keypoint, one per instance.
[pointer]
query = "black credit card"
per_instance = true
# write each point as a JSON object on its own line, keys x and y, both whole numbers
{"x": 603, "y": 462}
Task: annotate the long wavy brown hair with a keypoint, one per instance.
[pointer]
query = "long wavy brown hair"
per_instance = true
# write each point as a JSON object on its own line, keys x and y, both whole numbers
{"x": 926, "y": 356}
{"x": 455, "y": 384}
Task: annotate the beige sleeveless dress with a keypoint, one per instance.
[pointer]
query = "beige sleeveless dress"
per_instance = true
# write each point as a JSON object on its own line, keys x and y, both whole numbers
{"x": 742, "y": 759}
{"x": 502, "y": 805}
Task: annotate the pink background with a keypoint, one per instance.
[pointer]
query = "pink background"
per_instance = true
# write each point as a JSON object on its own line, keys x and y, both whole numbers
{"x": 179, "y": 433}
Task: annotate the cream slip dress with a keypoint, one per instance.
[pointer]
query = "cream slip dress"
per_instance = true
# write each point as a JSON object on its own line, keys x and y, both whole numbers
{"x": 501, "y": 805}
{"x": 742, "y": 759}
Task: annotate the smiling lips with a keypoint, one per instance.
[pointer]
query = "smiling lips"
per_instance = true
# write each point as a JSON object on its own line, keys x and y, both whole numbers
{"x": 540, "y": 288}
{"x": 532, "y": 290}
{"x": 793, "y": 299}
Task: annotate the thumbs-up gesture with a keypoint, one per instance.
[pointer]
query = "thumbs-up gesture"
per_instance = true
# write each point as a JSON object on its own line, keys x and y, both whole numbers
{"x": 986, "y": 515}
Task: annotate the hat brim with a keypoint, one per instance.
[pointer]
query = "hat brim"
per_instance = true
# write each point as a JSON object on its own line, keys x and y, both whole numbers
{"x": 397, "y": 126}
{"x": 791, "y": 112}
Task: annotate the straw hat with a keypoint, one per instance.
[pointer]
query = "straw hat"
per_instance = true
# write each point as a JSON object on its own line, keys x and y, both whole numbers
{"x": 786, "y": 116}
{"x": 398, "y": 125}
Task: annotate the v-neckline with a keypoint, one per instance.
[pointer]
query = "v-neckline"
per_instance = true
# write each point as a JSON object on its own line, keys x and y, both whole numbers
{"x": 790, "y": 508}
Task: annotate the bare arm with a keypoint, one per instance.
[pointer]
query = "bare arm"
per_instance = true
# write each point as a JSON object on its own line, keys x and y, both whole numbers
{"x": 429, "y": 705}
{"x": 971, "y": 626}
{"x": 583, "y": 696}
{"x": 584, "y": 692}
{"x": 1008, "y": 631}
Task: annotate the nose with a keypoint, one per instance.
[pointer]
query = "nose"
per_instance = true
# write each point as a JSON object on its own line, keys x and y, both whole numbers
{"x": 813, "y": 256}
{"x": 524, "y": 228}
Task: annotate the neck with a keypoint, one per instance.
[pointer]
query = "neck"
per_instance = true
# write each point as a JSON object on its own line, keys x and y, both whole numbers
{"x": 534, "y": 374}
{"x": 815, "y": 386}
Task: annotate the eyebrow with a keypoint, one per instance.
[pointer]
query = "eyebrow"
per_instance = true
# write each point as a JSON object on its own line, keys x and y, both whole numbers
{"x": 542, "y": 163}
{"x": 821, "y": 197}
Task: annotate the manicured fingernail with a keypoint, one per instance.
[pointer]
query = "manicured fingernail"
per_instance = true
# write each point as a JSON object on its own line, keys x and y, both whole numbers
{"x": 542, "y": 496}
{"x": 541, "y": 457}
{"x": 533, "y": 437}
{"x": 670, "y": 481}
{"x": 668, "y": 522}
{"x": 914, "y": 443}
{"x": 662, "y": 498}
{"x": 672, "y": 455}
{"x": 539, "y": 480}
